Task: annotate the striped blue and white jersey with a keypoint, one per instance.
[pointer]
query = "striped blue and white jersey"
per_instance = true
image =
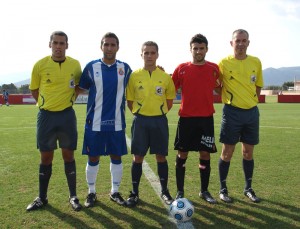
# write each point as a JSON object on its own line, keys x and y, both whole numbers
{"x": 106, "y": 99}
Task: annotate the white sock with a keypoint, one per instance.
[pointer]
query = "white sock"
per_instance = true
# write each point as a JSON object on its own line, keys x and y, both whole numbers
{"x": 116, "y": 171}
{"x": 91, "y": 177}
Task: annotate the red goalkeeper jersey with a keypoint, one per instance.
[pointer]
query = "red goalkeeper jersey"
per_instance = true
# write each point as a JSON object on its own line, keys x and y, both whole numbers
{"x": 197, "y": 83}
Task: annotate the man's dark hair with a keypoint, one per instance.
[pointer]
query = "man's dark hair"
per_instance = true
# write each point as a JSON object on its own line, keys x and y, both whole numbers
{"x": 59, "y": 33}
{"x": 109, "y": 35}
{"x": 198, "y": 38}
{"x": 150, "y": 43}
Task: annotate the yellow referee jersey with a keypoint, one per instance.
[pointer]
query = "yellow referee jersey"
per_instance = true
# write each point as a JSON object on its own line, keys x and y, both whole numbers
{"x": 150, "y": 92}
{"x": 56, "y": 82}
{"x": 239, "y": 80}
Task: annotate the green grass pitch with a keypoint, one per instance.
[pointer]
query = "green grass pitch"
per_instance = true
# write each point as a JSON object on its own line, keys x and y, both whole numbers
{"x": 276, "y": 178}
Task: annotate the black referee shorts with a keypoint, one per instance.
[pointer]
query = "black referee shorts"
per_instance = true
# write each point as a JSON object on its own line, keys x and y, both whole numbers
{"x": 53, "y": 127}
{"x": 149, "y": 132}
{"x": 195, "y": 134}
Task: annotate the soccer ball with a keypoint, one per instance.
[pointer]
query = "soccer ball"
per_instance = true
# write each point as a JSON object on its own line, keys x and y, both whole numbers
{"x": 181, "y": 210}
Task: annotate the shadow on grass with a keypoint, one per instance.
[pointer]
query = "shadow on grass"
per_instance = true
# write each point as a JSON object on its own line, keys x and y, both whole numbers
{"x": 74, "y": 222}
{"x": 215, "y": 217}
{"x": 157, "y": 213}
{"x": 284, "y": 214}
{"x": 245, "y": 214}
{"x": 294, "y": 211}
{"x": 141, "y": 216}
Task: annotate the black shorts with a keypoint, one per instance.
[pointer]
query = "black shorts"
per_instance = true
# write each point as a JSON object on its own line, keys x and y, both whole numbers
{"x": 149, "y": 132}
{"x": 56, "y": 126}
{"x": 195, "y": 134}
{"x": 239, "y": 125}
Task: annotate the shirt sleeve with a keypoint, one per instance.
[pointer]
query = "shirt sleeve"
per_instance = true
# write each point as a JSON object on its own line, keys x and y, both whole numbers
{"x": 78, "y": 73}
{"x": 130, "y": 89}
{"x": 171, "y": 92}
{"x": 35, "y": 78}
{"x": 175, "y": 78}
{"x": 85, "y": 79}
{"x": 260, "y": 81}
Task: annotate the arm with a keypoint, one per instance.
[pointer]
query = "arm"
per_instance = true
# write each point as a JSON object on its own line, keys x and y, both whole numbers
{"x": 35, "y": 94}
{"x": 218, "y": 90}
{"x": 129, "y": 104}
{"x": 258, "y": 90}
{"x": 169, "y": 103}
{"x": 79, "y": 90}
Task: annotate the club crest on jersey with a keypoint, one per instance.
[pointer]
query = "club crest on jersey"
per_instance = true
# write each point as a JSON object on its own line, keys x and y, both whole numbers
{"x": 215, "y": 74}
{"x": 72, "y": 83}
{"x": 253, "y": 79}
{"x": 121, "y": 72}
{"x": 159, "y": 90}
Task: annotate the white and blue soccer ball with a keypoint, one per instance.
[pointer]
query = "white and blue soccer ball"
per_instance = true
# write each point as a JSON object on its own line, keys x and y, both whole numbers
{"x": 181, "y": 210}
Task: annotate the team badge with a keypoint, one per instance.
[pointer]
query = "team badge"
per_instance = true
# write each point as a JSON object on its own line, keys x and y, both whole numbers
{"x": 121, "y": 72}
{"x": 72, "y": 83}
{"x": 159, "y": 90}
{"x": 253, "y": 79}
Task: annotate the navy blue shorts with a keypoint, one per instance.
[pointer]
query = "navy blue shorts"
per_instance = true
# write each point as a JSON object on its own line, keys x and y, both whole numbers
{"x": 149, "y": 132}
{"x": 103, "y": 143}
{"x": 56, "y": 126}
{"x": 239, "y": 125}
{"x": 195, "y": 134}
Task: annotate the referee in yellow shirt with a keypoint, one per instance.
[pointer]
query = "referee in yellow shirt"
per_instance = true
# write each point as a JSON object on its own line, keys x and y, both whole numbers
{"x": 53, "y": 82}
{"x": 150, "y": 93}
{"x": 242, "y": 80}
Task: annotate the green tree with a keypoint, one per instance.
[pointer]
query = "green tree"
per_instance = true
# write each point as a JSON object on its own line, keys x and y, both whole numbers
{"x": 286, "y": 85}
{"x": 10, "y": 88}
{"x": 273, "y": 87}
{"x": 24, "y": 89}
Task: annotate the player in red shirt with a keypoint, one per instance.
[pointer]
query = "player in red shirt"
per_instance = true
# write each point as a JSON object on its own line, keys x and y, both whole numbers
{"x": 197, "y": 81}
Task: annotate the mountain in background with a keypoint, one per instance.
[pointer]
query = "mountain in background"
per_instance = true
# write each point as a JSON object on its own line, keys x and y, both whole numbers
{"x": 277, "y": 76}
{"x": 272, "y": 76}
{"x": 23, "y": 82}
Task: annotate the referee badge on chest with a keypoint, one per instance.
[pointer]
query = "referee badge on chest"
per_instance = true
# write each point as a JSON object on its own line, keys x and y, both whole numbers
{"x": 253, "y": 79}
{"x": 72, "y": 83}
{"x": 159, "y": 90}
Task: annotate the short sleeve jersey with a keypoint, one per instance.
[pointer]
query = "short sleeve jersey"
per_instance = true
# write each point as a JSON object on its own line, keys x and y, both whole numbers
{"x": 149, "y": 92}
{"x": 56, "y": 82}
{"x": 239, "y": 81}
{"x": 106, "y": 99}
{"x": 196, "y": 83}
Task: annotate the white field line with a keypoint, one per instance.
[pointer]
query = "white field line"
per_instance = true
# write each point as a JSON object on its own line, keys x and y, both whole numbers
{"x": 154, "y": 182}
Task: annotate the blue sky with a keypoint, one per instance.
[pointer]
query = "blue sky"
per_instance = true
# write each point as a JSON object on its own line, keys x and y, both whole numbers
{"x": 26, "y": 26}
